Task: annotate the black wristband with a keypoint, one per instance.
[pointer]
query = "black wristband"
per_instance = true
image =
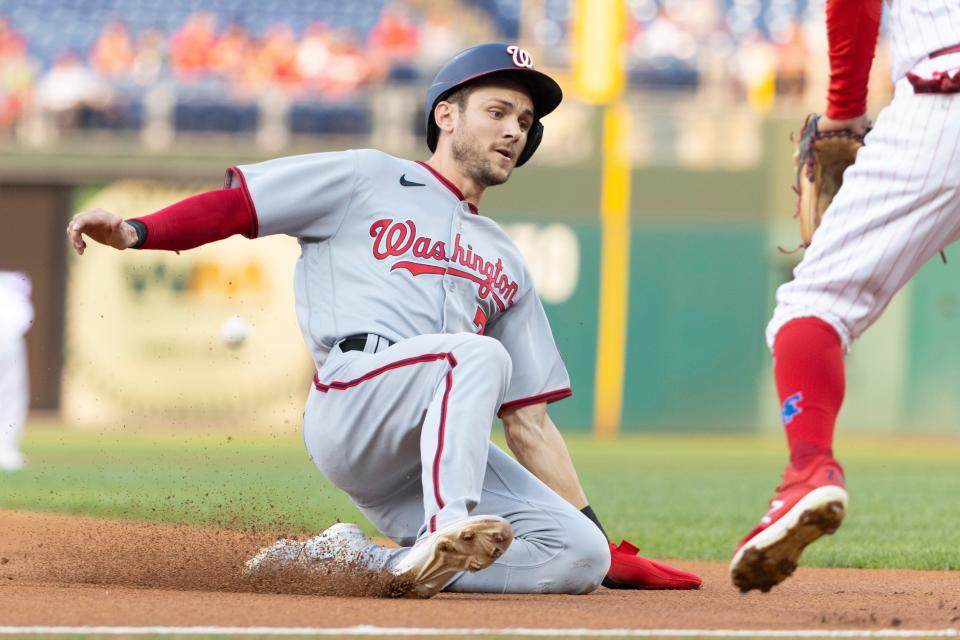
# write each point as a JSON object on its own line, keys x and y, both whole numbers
{"x": 141, "y": 228}
{"x": 588, "y": 511}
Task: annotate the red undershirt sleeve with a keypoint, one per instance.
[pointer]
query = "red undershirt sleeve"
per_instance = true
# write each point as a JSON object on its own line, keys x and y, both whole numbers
{"x": 198, "y": 220}
{"x": 852, "y": 29}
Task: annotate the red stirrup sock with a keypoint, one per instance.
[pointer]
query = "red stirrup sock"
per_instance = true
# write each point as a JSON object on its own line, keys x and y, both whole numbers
{"x": 808, "y": 369}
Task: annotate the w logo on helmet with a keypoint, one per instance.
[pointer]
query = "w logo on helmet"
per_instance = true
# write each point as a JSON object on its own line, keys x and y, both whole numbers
{"x": 521, "y": 57}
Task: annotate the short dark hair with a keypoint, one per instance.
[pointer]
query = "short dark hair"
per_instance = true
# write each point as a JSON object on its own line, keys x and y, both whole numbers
{"x": 461, "y": 96}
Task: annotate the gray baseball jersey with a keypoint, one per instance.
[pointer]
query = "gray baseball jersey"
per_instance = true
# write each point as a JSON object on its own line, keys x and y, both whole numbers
{"x": 390, "y": 247}
{"x": 455, "y": 333}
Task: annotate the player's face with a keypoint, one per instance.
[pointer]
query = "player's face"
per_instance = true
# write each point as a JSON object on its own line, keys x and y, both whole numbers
{"x": 491, "y": 132}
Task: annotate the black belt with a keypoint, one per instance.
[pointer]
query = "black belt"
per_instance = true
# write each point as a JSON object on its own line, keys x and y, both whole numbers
{"x": 358, "y": 342}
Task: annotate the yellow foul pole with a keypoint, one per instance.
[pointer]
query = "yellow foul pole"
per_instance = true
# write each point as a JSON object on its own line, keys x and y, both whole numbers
{"x": 598, "y": 73}
{"x": 614, "y": 271}
{"x": 599, "y": 35}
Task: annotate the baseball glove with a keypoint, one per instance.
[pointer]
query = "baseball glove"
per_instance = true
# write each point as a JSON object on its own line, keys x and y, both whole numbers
{"x": 819, "y": 161}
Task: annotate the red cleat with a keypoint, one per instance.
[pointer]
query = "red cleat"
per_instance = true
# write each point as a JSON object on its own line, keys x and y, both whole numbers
{"x": 630, "y": 571}
{"x": 810, "y": 503}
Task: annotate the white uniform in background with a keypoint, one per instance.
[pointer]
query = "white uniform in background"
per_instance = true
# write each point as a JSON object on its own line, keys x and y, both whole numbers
{"x": 16, "y": 316}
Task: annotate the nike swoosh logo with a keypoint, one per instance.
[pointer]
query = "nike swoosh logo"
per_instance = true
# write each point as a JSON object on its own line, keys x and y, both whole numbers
{"x": 406, "y": 183}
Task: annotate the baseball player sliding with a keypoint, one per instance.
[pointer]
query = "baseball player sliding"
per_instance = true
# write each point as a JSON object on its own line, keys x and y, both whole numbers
{"x": 898, "y": 206}
{"x": 424, "y": 324}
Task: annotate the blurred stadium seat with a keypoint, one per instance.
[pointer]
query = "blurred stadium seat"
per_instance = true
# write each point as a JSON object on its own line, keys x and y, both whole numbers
{"x": 327, "y": 58}
{"x": 505, "y": 13}
{"x": 321, "y": 118}
{"x": 221, "y": 117}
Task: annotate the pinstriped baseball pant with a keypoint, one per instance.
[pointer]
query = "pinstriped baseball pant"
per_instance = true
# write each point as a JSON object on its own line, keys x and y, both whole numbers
{"x": 898, "y": 207}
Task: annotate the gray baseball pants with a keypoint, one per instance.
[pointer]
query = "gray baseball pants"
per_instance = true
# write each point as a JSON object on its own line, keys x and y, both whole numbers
{"x": 404, "y": 430}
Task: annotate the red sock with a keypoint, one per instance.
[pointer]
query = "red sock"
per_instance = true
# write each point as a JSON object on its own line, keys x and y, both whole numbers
{"x": 808, "y": 368}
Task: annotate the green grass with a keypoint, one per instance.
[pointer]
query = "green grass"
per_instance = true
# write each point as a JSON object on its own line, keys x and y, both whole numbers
{"x": 681, "y": 497}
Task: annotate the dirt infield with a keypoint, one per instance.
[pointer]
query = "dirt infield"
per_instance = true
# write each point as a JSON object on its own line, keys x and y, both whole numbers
{"x": 58, "y": 570}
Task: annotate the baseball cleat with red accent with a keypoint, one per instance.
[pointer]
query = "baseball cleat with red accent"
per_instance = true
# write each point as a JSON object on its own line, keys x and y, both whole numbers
{"x": 631, "y": 571}
{"x": 470, "y": 544}
{"x": 810, "y": 503}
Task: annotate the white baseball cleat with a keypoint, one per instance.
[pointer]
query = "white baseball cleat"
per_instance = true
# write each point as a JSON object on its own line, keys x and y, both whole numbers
{"x": 342, "y": 543}
{"x": 281, "y": 554}
{"x": 470, "y": 544}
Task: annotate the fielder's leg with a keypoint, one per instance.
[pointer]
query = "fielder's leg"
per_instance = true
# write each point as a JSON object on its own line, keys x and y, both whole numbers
{"x": 898, "y": 208}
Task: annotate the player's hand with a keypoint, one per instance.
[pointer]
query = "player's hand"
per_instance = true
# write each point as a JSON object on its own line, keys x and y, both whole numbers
{"x": 858, "y": 125}
{"x": 102, "y": 226}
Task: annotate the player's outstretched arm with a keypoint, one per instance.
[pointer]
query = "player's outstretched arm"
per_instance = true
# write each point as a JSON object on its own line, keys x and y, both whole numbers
{"x": 540, "y": 448}
{"x": 197, "y": 220}
{"x": 852, "y": 31}
{"x": 101, "y": 226}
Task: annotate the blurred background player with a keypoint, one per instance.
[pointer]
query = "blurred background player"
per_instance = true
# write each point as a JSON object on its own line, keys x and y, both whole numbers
{"x": 898, "y": 207}
{"x": 16, "y": 316}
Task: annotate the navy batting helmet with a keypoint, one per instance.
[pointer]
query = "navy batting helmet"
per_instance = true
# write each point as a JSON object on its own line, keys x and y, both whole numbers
{"x": 485, "y": 61}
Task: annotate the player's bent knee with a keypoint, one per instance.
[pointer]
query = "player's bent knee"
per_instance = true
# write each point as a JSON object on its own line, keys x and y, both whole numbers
{"x": 485, "y": 352}
{"x": 586, "y": 565}
{"x": 587, "y": 557}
